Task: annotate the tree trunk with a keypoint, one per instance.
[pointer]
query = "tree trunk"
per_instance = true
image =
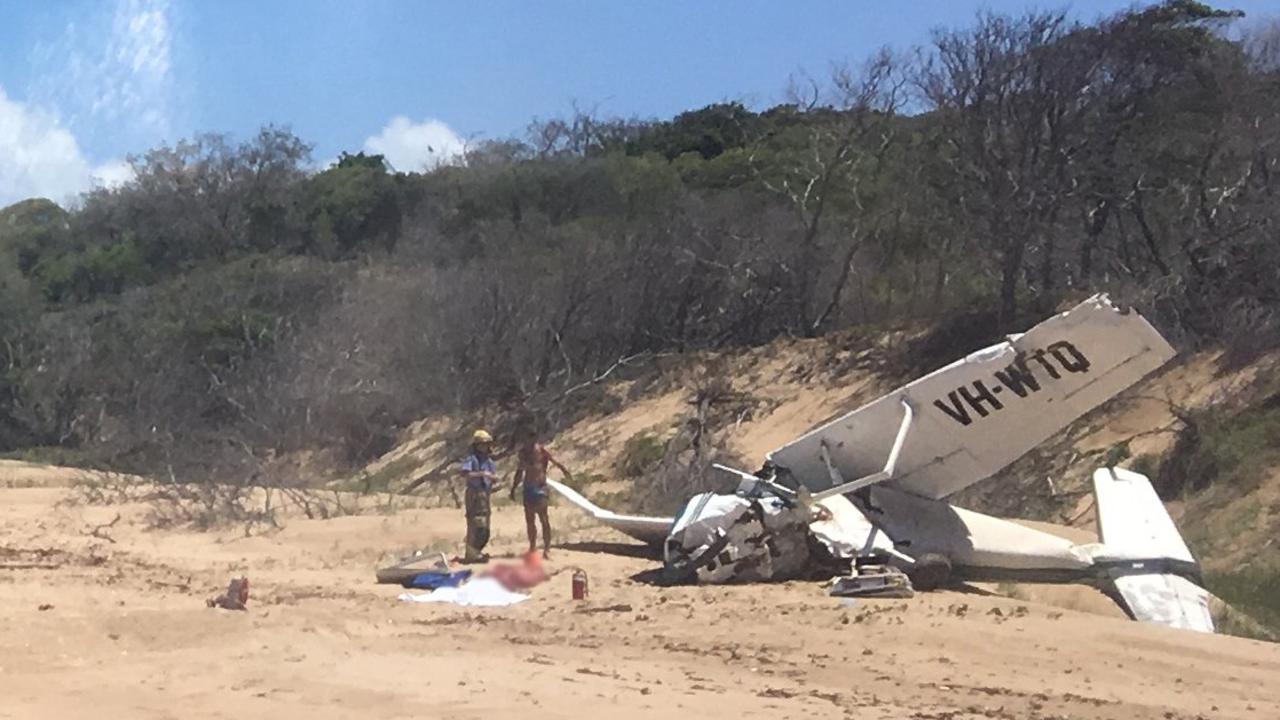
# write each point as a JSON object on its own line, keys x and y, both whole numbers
{"x": 1011, "y": 265}
{"x": 1095, "y": 221}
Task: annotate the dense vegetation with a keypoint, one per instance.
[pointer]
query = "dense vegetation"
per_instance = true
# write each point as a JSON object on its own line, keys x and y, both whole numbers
{"x": 228, "y": 304}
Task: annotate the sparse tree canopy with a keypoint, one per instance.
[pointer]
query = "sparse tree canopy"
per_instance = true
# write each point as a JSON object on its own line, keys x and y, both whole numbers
{"x": 235, "y": 302}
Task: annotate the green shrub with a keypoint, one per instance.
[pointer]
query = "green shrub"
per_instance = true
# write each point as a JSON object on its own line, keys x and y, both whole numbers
{"x": 1224, "y": 448}
{"x": 394, "y": 474}
{"x": 1116, "y": 454}
{"x": 1146, "y": 464}
{"x": 232, "y": 336}
{"x": 65, "y": 456}
{"x": 103, "y": 270}
{"x": 1253, "y": 590}
{"x": 581, "y": 480}
{"x": 641, "y": 453}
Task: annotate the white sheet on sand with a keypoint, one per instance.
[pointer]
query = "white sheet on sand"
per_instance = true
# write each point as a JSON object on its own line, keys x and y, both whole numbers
{"x": 481, "y": 592}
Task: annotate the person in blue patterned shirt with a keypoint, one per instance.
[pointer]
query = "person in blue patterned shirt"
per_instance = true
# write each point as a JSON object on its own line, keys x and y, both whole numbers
{"x": 481, "y": 477}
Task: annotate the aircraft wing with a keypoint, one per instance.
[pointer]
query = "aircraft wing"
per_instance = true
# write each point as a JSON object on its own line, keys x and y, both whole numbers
{"x": 650, "y": 530}
{"x": 979, "y": 414}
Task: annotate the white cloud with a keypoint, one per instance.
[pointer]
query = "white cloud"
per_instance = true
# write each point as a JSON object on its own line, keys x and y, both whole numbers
{"x": 38, "y": 157}
{"x": 110, "y": 72}
{"x": 113, "y": 174}
{"x": 109, "y": 75}
{"x": 41, "y": 158}
{"x": 411, "y": 147}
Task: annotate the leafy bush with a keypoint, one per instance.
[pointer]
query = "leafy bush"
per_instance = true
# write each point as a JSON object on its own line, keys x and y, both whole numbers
{"x": 640, "y": 454}
{"x": 103, "y": 270}
{"x": 393, "y": 475}
{"x": 232, "y": 335}
{"x": 1253, "y": 589}
{"x": 167, "y": 310}
{"x": 1146, "y": 464}
{"x": 1232, "y": 448}
{"x": 582, "y": 480}
{"x": 1115, "y": 454}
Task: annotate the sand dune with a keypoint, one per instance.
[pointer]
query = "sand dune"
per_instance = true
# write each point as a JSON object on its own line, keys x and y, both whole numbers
{"x": 120, "y": 630}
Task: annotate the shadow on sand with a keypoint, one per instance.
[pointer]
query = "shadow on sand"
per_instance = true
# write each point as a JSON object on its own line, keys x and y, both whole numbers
{"x": 651, "y": 576}
{"x": 966, "y": 589}
{"x": 609, "y": 548}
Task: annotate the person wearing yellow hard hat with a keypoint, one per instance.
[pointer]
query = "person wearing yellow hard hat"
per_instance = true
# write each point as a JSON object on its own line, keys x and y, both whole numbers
{"x": 481, "y": 477}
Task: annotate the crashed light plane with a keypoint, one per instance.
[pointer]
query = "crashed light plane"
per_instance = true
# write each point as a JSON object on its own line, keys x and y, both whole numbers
{"x": 868, "y": 489}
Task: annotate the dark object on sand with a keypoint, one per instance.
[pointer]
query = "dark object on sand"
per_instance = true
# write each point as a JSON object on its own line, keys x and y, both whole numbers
{"x": 409, "y": 567}
{"x": 235, "y": 598}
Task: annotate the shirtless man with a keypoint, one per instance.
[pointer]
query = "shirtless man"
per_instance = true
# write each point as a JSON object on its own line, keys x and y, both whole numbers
{"x": 531, "y": 470}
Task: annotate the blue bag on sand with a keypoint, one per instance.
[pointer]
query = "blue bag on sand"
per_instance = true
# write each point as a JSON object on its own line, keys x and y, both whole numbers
{"x": 433, "y": 580}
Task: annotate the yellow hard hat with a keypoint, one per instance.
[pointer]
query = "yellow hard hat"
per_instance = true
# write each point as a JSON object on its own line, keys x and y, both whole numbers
{"x": 481, "y": 436}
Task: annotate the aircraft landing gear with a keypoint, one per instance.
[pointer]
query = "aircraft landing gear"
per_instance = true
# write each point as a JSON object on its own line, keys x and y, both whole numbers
{"x": 930, "y": 572}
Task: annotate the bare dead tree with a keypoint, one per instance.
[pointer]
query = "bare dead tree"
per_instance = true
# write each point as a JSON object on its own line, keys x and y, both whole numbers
{"x": 844, "y": 155}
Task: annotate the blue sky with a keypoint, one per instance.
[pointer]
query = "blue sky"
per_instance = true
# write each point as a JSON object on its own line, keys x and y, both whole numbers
{"x": 84, "y": 83}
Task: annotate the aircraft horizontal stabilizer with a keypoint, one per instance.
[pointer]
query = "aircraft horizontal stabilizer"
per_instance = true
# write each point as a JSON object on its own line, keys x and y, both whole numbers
{"x": 1145, "y": 556}
{"x": 649, "y": 530}
{"x": 1166, "y": 600}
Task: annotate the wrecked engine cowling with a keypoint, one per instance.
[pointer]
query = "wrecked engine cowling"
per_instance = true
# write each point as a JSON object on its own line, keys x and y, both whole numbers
{"x": 731, "y": 538}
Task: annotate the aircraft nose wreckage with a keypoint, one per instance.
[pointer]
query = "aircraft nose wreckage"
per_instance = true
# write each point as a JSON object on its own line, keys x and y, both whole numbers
{"x": 864, "y": 495}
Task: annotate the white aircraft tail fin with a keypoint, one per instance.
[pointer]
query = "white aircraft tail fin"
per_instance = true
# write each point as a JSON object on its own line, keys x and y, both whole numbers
{"x": 1145, "y": 556}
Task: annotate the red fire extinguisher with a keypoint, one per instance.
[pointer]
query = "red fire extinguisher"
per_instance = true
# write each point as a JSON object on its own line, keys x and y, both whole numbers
{"x": 579, "y": 584}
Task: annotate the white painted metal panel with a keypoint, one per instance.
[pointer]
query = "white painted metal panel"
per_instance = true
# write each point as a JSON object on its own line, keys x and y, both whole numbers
{"x": 971, "y": 539}
{"x": 651, "y": 530}
{"x": 1134, "y": 524}
{"x": 979, "y": 414}
{"x": 1132, "y": 521}
{"x": 845, "y": 531}
{"x": 1166, "y": 599}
